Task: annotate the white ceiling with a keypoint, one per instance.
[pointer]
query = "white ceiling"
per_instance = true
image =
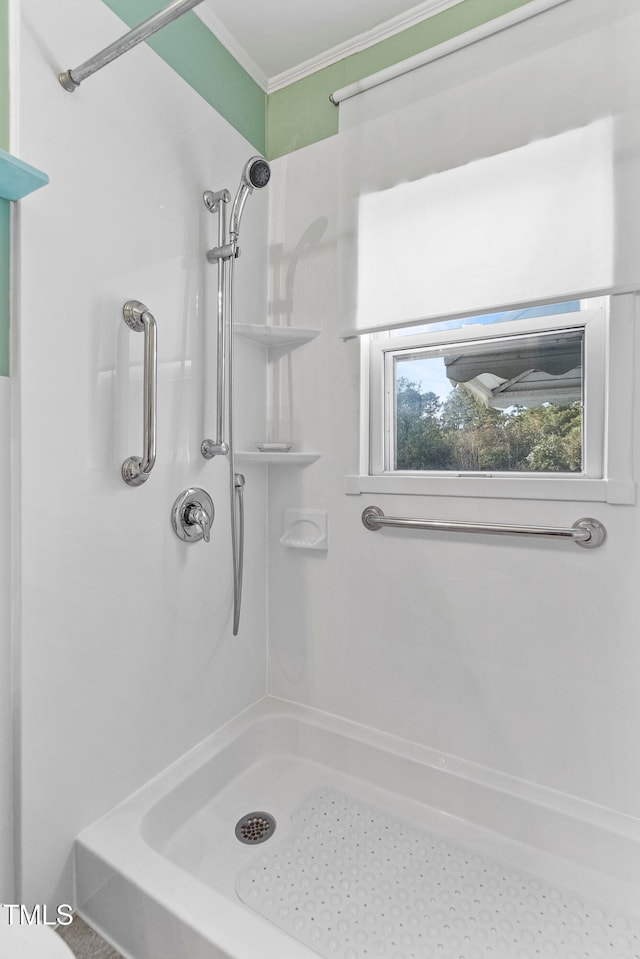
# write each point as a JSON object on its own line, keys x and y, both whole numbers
{"x": 280, "y": 41}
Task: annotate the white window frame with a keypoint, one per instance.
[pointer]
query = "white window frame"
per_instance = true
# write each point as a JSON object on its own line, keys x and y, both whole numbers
{"x": 607, "y": 457}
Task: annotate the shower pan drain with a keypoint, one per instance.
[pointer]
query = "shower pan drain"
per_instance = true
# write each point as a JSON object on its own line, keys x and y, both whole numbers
{"x": 255, "y": 827}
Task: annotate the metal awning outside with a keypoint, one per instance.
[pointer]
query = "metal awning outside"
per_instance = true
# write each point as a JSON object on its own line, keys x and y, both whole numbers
{"x": 521, "y": 371}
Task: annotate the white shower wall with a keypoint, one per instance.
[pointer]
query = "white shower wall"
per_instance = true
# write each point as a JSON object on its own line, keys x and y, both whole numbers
{"x": 127, "y": 657}
{"x": 6, "y": 701}
{"x": 516, "y": 655}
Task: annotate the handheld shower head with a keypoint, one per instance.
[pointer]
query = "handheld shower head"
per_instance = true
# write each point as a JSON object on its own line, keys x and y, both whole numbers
{"x": 257, "y": 172}
{"x": 255, "y": 175}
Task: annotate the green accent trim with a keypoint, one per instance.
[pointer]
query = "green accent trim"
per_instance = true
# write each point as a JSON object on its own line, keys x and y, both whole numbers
{"x": 17, "y": 178}
{"x": 4, "y": 74}
{"x": 206, "y": 65}
{"x": 301, "y": 114}
{"x": 5, "y": 213}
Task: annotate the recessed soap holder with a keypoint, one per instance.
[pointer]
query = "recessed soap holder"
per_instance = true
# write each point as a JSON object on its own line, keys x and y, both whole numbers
{"x": 305, "y": 529}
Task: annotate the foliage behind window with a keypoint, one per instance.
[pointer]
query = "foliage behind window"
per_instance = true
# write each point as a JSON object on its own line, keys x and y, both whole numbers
{"x": 507, "y": 404}
{"x": 461, "y": 433}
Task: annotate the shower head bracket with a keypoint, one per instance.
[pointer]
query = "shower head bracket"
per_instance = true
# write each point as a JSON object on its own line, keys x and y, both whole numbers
{"x": 213, "y": 200}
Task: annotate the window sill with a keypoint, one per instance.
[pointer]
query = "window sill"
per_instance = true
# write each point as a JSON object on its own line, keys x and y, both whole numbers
{"x": 620, "y": 492}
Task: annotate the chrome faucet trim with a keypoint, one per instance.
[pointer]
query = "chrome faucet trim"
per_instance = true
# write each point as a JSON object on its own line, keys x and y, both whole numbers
{"x": 196, "y": 515}
{"x": 192, "y": 515}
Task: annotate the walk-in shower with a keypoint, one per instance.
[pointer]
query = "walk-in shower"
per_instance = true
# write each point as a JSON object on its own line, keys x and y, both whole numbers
{"x": 382, "y": 848}
{"x": 255, "y": 175}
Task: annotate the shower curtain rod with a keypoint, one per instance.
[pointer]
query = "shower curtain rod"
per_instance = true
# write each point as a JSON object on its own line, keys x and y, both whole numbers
{"x": 488, "y": 29}
{"x": 71, "y": 79}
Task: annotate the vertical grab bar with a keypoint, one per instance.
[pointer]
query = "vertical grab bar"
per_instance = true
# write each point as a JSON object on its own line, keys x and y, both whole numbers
{"x": 136, "y": 469}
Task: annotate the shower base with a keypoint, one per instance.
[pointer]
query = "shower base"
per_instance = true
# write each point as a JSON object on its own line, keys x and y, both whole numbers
{"x": 356, "y": 845}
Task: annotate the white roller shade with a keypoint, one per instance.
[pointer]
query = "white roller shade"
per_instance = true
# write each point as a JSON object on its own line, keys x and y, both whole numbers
{"x": 505, "y": 174}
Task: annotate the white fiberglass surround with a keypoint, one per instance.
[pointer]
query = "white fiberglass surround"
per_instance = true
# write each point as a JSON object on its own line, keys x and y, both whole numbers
{"x": 514, "y": 654}
{"x": 127, "y": 657}
{"x": 6, "y": 659}
{"x": 157, "y": 875}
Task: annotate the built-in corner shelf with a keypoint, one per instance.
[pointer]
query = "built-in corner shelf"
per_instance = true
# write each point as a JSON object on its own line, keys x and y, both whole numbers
{"x": 17, "y": 178}
{"x": 276, "y": 336}
{"x": 277, "y": 459}
{"x": 269, "y": 336}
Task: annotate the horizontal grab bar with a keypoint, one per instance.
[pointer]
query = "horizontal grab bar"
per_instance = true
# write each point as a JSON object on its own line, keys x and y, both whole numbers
{"x": 585, "y": 532}
{"x": 136, "y": 469}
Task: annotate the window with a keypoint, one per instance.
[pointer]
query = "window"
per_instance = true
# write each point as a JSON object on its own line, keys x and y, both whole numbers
{"x": 514, "y": 404}
{"x": 510, "y": 403}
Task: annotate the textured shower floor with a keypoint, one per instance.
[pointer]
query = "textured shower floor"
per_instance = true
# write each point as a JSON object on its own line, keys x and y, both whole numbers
{"x": 354, "y": 872}
{"x": 351, "y": 881}
{"x": 364, "y": 861}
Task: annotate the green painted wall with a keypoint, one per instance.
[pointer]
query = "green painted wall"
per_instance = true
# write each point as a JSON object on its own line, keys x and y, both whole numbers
{"x": 291, "y": 118}
{"x": 301, "y": 113}
{"x": 4, "y": 74}
{"x": 4, "y": 204}
{"x": 200, "y": 59}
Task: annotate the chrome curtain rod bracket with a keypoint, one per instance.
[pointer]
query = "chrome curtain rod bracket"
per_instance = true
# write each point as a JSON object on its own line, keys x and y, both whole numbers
{"x": 71, "y": 79}
{"x": 586, "y": 532}
{"x": 136, "y": 469}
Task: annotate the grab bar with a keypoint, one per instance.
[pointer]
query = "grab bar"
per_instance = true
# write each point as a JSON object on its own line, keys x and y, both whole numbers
{"x": 585, "y": 532}
{"x": 136, "y": 469}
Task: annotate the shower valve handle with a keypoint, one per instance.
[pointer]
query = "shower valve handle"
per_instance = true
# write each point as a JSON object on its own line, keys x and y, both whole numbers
{"x": 192, "y": 515}
{"x": 195, "y": 515}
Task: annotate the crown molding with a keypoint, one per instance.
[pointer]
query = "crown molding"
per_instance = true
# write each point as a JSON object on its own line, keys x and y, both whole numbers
{"x": 423, "y": 11}
{"x": 530, "y": 9}
{"x": 235, "y": 48}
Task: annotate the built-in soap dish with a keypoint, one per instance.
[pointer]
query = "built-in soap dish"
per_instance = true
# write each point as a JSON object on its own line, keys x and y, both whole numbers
{"x": 305, "y": 529}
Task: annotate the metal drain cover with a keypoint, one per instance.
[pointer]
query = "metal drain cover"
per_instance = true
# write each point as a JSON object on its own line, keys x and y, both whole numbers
{"x": 255, "y": 827}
